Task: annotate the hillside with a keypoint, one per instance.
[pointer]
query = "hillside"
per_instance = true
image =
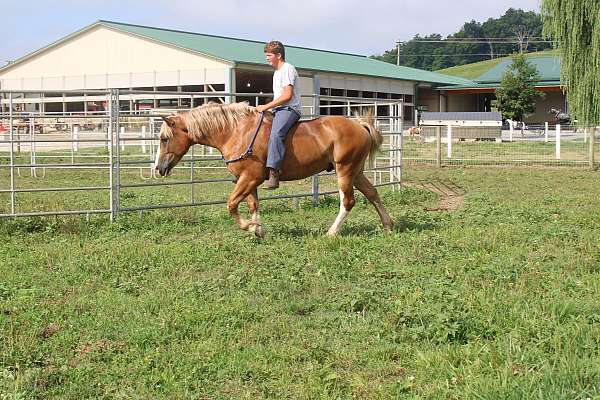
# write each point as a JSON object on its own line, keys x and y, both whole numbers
{"x": 471, "y": 71}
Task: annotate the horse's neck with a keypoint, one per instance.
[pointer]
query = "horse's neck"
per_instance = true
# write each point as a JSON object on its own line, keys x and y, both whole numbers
{"x": 238, "y": 139}
{"x": 215, "y": 140}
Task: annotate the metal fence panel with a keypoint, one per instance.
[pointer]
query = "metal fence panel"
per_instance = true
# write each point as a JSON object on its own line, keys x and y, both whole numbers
{"x": 56, "y": 163}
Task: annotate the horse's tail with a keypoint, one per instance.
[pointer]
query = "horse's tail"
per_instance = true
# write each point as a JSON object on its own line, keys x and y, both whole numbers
{"x": 367, "y": 121}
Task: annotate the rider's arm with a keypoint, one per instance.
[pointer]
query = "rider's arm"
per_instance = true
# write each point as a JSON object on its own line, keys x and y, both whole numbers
{"x": 286, "y": 96}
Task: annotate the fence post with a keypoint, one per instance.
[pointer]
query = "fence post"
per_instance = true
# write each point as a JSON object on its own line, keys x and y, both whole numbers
{"x": 114, "y": 153}
{"x": 317, "y": 111}
{"x": 591, "y": 147}
{"x": 558, "y": 141}
{"x": 122, "y": 135}
{"x": 76, "y": 138}
{"x": 32, "y": 144}
{"x": 438, "y": 146}
{"x": 449, "y": 140}
{"x": 144, "y": 139}
{"x": 12, "y": 155}
{"x": 111, "y": 168}
{"x": 400, "y": 153}
{"x": 546, "y": 132}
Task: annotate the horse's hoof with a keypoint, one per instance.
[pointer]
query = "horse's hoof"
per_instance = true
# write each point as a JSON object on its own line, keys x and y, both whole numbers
{"x": 258, "y": 230}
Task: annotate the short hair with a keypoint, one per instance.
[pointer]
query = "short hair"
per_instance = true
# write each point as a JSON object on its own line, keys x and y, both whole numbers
{"x": 275, "y": 47}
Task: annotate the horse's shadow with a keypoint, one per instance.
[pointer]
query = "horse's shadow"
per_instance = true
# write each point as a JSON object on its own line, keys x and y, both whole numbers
{"x": 365, "y": 229}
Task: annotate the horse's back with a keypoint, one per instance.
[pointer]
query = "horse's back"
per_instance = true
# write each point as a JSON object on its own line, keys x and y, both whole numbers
{"x": 314, "y": 145}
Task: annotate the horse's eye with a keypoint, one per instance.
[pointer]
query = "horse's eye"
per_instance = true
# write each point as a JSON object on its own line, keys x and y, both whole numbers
{"x": 164, "y": 140}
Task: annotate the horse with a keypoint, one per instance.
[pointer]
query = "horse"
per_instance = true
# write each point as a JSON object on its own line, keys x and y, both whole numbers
{"x": 311, "y": 147}
{"x": 414, "y": 131}
{"x": 561, "y": 117}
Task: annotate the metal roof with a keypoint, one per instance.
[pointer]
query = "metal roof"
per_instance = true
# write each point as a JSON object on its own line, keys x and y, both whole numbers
{"x": 242, "y": 51}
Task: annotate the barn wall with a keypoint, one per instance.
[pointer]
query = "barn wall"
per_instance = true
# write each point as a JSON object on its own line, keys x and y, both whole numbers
{"x": 339, "y": 81}
{"x": 102, "y": 57}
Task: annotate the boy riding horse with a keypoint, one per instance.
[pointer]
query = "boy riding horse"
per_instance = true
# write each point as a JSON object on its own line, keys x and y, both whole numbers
{"x": 286, "y": 108}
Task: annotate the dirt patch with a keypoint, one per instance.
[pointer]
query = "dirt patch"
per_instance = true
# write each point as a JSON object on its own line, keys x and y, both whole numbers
{"x": 451, "y": 195}
{"x": 448, "y": 203}
{"x": 85, "y": 349}
{"x": 50, "y": 330}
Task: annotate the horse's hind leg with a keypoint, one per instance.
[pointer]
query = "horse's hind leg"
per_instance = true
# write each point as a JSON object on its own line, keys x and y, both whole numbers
{"x": 365, "y": 187}
{"x": 346, "y": 201}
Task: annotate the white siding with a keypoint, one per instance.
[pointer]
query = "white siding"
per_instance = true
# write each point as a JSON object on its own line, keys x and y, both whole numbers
{"x": 102, "y": 56}
{"x": 366, "y": 84}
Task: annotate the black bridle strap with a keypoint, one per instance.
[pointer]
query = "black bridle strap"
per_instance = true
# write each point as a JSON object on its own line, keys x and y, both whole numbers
{"x": 248, "y": 151}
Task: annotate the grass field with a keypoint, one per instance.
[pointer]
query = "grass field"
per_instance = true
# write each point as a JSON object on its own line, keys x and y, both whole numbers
{"x": 474, "y": 70}
{"x": 498, "y": 299}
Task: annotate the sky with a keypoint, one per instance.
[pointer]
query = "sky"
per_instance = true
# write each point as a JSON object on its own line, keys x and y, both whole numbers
{"x": 353, "y": 26}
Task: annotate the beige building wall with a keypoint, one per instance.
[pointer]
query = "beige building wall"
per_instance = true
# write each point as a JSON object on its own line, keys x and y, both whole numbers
{"x": 429, "y": 98}
{"x": 338, "y": 81}
{"x": 111, "y": 58}
{"x": 461, "y": 102}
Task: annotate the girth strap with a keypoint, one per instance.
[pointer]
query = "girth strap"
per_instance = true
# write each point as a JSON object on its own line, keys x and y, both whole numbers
{"x": 248, "y": 151}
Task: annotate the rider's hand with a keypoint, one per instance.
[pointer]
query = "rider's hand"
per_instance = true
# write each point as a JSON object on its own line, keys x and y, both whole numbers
{"x": 261, "y": 108}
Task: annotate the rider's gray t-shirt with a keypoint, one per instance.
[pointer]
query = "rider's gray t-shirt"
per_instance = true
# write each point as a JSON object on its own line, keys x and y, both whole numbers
{"x": 284, "y": 76}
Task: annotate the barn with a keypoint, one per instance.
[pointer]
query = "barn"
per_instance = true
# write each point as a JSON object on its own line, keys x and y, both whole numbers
{"x": 477, "y": 95}
{"x": 165, "y": 62}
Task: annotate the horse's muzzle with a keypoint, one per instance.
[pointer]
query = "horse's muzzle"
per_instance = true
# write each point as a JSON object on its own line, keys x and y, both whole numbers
{"x": 164, "y": 167}
{"x": 166, "y": 164}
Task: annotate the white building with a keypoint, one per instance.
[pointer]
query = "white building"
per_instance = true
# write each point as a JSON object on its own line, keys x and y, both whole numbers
{"x": 132, "y": 57}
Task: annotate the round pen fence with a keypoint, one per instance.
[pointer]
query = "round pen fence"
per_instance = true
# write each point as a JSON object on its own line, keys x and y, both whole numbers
{"x": 102, "y": 162}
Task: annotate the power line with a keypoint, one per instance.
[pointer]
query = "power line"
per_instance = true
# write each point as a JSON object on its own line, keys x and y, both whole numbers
{"x": 512, "y": 41}
{"x": 481, "y": 38}
{"x": 452, "y": 55}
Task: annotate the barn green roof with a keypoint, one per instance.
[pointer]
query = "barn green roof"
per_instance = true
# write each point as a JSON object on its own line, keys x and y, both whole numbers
{"x": 242, "y": 51}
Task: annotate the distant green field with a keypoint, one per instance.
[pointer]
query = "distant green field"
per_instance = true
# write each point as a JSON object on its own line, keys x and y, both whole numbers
{"x": 474, "y": 70}
{"x": 498, "y": 299}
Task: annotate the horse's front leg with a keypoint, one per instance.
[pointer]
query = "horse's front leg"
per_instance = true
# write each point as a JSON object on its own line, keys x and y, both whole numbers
{"x": 243, "y": 189}
{"x": 255, "y": 224}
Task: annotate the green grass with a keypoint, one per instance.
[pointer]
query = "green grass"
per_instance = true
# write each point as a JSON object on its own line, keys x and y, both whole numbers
{"x": 498, "y": 299}
{"x": 473, "y": 70}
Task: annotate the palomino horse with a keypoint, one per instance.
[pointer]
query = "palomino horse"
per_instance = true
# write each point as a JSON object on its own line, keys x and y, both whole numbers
{"x": 311, "y": 147}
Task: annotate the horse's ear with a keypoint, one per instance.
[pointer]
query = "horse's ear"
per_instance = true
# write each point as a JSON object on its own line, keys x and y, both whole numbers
{"x": 170, "y": 120}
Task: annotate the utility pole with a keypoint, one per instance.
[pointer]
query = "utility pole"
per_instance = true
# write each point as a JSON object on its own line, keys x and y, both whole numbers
{"x": 398, "y": 42}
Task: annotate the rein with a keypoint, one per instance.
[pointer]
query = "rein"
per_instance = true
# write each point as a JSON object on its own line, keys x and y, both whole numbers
{"x": 248, "y": 151}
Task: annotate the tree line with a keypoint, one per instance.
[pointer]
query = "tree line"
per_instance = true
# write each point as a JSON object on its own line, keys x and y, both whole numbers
{"x": 515, "y": 31}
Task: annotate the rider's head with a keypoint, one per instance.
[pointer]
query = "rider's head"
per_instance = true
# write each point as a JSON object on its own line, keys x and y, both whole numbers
{"x": 275, "y": 53}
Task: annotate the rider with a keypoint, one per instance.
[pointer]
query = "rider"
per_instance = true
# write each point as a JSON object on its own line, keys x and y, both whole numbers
{"x": 286, "y": 108}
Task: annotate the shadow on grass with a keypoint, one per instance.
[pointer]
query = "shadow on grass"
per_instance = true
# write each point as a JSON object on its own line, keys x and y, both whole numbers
{"x": 401, "y": 225}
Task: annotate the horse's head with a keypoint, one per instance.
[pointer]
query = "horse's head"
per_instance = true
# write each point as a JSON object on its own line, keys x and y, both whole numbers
{"x": 553, "y": 111}
{"x": 174, "y": 143}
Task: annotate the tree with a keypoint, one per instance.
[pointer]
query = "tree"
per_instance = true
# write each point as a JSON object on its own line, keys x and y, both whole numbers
{"x": 575, "y": 27}
{"x": 516, "y": 96}
{"x": 441, "y": 52}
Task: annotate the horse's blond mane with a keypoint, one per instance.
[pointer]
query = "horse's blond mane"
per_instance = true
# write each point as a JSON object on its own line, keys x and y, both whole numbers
{"x": 210, "y": 118}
